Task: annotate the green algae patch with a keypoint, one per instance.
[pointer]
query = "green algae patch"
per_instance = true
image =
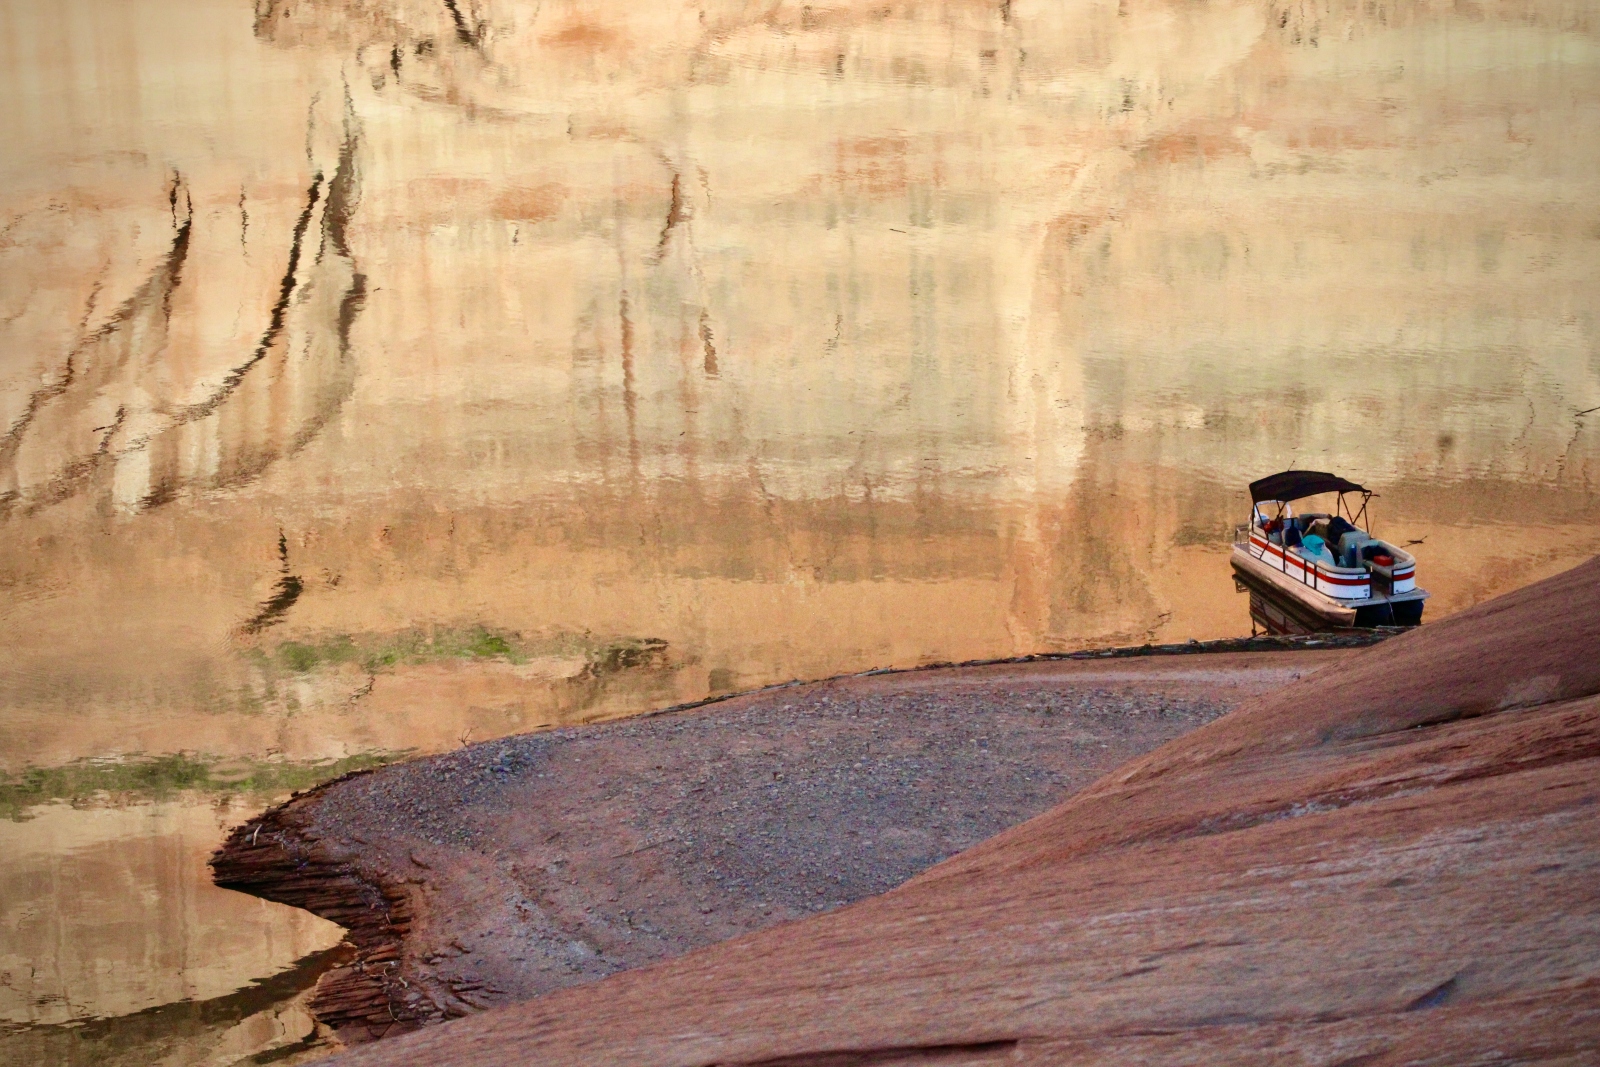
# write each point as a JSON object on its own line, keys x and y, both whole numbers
{"x": 98, "y": 781}
{"x": 378, "y": 652}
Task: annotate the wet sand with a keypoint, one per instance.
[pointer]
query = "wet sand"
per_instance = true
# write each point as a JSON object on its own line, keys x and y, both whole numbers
{"x": 514, "y": 868}
{"x": 1391, "y": 861}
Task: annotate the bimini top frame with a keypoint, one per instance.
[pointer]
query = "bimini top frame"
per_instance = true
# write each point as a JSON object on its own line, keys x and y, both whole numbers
{"x": 1287, "y": 486}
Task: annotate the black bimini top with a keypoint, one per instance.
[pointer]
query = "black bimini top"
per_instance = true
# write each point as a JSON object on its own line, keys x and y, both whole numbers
{"x": 1292, "y": 485}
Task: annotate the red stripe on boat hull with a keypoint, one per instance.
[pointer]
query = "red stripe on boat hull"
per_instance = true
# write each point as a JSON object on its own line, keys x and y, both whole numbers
{"x": 1316, "y": 574}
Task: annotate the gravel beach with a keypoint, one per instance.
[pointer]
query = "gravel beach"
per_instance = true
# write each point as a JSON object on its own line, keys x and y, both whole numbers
{"x": 513, "y": 868}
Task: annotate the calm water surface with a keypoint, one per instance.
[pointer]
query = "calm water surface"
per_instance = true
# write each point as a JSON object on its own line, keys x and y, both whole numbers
{"x": 379, "y": 376}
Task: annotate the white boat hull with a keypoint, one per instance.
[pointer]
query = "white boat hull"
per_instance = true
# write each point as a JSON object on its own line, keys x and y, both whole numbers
{"x": 1290, "y": 595}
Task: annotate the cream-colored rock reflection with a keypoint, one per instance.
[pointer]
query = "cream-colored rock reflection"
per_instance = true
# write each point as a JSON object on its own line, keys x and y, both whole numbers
{"x": 784, "y": 341}
{"x": 107, "y": 911}
{"x": 815, "y": 340}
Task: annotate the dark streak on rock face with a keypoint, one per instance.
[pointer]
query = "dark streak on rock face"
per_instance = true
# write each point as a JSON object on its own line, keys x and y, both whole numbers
{"x": 95, "y": 362}
{"x": 338, "y": 199}
{"x": 66, "y": 482}
{"x": 284, "y": 594}
{"x": 266, "y": 10}
{"x": 676, "y": 213}
{"x": 275, "y": 320}
{"x": 128, "y": 347}
{"x": 155, "y": 290}
{"x": 471, "y": 36}
{"x": 711, "y": 368}
{"x": 344, "y": 193}
{"x": 629, "y": 401}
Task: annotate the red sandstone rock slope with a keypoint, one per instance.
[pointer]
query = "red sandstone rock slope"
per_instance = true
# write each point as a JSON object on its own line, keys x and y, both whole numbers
{"x": 1397, "y": 862}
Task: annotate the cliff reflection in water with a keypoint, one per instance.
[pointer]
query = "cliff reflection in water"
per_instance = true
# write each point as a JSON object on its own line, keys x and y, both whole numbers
{"x": 375, "y": 376}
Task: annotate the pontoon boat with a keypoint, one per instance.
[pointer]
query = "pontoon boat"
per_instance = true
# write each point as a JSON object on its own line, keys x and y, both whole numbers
{"x": 1320, "y": 571}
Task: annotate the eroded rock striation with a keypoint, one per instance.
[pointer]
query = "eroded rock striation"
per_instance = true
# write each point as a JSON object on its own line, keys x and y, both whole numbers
{"x": 1397, "y": 861}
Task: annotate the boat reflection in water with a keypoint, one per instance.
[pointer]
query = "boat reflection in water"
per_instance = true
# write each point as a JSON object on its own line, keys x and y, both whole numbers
{"x": 1320, "y": 570}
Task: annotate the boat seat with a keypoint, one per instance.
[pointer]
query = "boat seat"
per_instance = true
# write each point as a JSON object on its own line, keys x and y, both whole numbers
{"x": 1351, "y": 547}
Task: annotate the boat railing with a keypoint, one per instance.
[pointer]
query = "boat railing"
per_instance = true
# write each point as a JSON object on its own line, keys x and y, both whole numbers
{"x": 1340, "y": 583}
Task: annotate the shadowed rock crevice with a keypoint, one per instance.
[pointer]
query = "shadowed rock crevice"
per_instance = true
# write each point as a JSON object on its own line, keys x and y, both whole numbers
{"x": 1436, "y": 996}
